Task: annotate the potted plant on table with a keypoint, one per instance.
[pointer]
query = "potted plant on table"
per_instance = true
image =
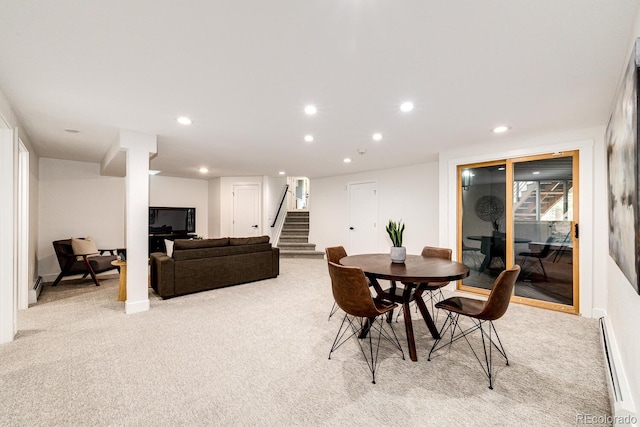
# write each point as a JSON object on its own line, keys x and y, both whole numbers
{"x": 398, "y": 252}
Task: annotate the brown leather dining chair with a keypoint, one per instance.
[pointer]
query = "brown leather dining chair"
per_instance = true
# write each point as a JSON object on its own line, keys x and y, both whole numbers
{"x": 482, "y": 314}
{"x": 335, "y": 254}
{"x": 363, "y": 314}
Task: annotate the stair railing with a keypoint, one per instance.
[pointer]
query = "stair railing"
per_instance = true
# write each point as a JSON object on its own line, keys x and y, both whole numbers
{"x": 284, "y": 196}
{"x": 278, "y": 221}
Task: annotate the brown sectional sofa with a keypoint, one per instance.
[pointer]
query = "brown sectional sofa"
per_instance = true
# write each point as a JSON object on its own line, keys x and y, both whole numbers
{"x": 199, "y": 265}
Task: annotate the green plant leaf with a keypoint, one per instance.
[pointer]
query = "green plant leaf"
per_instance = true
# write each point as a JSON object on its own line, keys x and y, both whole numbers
{"x": 395, "y": 231}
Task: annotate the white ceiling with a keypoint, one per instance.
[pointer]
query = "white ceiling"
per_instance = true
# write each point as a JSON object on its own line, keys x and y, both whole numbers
{"x": 243, "y": 70}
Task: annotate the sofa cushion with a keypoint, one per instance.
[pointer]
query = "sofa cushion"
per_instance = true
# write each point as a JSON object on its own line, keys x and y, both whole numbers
{"x": 237, "y": 241}
{"x": 200, "y": 244}
{"x": 183, "y": 255}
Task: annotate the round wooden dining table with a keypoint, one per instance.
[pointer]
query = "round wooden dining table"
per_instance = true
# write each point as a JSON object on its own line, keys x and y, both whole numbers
{"x": 415, "y": 271}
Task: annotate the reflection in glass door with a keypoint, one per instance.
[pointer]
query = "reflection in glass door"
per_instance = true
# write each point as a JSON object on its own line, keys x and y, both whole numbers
{"x": 483, "y": 223}
{"x": 543, "y": 232}
{"x": 522, "y": 211}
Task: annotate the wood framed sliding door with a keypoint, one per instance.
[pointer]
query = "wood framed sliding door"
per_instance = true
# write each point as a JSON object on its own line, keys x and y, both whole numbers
{"x": 522, "y": 211}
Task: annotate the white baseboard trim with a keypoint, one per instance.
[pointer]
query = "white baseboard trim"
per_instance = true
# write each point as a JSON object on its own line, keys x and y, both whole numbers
{"x": 136, "y": 306}
{"x": 622, "y": 407}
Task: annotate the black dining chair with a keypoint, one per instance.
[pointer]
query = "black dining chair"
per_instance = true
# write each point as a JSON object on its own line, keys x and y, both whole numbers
{"x": 536, "y": 255}
{"x": 482, "y": 314}
{"x": 363, "y": 314}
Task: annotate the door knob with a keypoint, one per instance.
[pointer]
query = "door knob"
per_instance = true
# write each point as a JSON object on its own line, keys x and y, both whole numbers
{"x": 351, "y": 228}
{"x": 254, "y": 226}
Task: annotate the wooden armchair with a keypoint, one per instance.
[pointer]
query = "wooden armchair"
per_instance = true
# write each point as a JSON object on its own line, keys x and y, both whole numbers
{"x": 85, "y": 264}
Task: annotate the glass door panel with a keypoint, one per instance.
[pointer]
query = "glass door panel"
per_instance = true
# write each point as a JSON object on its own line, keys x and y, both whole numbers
{"x": 482, "y": 223}
{"x": 543, "y": 216}
{"x": 522, "y": 211}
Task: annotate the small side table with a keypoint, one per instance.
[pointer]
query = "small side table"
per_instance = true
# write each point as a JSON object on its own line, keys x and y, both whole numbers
{"x": 122, "y": 288}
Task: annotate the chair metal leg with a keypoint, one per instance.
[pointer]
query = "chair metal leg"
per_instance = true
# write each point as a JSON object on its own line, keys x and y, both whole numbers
{"x": 544, "y": 272}
{"x": 357, "y": 325}
{"x": 531, "y": 265}
{"x": 486, "y": 334}
{"x": 334, "y": 308}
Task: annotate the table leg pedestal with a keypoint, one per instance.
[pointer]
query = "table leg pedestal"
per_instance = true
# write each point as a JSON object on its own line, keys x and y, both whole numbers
{"x": 426, "y": 316}
{"x": 122, "y": 286}
{"x": 408, "y": 325}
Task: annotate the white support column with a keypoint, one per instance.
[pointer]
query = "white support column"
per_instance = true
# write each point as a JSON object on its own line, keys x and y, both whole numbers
{"x": 8, "y": 310}
{"x": 137, "y": 147}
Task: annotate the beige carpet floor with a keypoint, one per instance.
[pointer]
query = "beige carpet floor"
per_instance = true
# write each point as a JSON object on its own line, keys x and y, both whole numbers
{"x": 256, "y": 354}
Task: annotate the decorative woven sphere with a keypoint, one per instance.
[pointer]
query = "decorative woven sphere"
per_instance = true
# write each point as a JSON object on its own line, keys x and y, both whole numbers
{"x": 489, "y": 208}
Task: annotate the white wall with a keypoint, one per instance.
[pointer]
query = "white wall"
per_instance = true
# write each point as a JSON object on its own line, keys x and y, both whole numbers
{"x": 409, "y": 193}
{"x": 182, "y": 192}
{"x": 214, "y": 208}
{"x": 8, "y": 119}
{"x": 75, "y": 201}
{"x": 592, "y": 275}
{"x": 274, "y": 187}
{"x": 623, "y": 303}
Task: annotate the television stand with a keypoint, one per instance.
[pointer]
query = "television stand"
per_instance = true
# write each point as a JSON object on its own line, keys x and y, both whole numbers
{"x": 156, "y": 241}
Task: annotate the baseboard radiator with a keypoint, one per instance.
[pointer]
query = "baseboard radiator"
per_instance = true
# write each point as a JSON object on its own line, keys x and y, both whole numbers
{"x": 34, "y": 292}
{"x": 622, "y": 407}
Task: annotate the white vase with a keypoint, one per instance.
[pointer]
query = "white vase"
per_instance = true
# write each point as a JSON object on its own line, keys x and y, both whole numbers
{"x": 398, "y": 254}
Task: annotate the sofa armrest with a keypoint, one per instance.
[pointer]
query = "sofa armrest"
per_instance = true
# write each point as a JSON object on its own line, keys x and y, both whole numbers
{"x": 276, "y": 261}
{"x": 163, "y": 274}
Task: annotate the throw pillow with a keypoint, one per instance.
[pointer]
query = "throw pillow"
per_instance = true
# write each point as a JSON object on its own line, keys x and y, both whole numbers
{"x": 169, "y": 245}
{"x": 84, "y": 246}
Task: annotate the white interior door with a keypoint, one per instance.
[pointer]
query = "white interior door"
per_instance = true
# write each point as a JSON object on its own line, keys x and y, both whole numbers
{"x": 363, "y": 217}
{"x": 246, "y": 210}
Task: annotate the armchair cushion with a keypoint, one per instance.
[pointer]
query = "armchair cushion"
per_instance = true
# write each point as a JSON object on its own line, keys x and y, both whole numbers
{"x": 84, "y": 246}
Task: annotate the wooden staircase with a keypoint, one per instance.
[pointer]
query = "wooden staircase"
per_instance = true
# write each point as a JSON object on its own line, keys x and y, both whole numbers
{"x": 294, "y": 238}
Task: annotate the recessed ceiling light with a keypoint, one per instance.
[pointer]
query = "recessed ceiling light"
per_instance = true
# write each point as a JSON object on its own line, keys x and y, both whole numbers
{"x": 406, "y": 106}
{"x": 203, "y": 170}
{"x": 184, "y": 120}
{"x": 281, "y": 173}
{"x": 347, "y": 160}
{"x": 377, "y": 136}
{"x": 500, "y": 129}
{"x": 153, "y": 172}
{"x": 536, "y": 172}
{"x": 308, "y": 138}
{"x": 72, "y": 130}
{"x": 310, "y": 110}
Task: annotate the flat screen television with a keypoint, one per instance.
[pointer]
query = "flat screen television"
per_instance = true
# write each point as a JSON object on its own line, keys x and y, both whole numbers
{"x": 165, "y": 220}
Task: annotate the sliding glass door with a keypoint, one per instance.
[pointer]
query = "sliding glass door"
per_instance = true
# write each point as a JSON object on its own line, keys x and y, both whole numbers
{"x": 483, "y": 221}
{"x": 522, "y": 211}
